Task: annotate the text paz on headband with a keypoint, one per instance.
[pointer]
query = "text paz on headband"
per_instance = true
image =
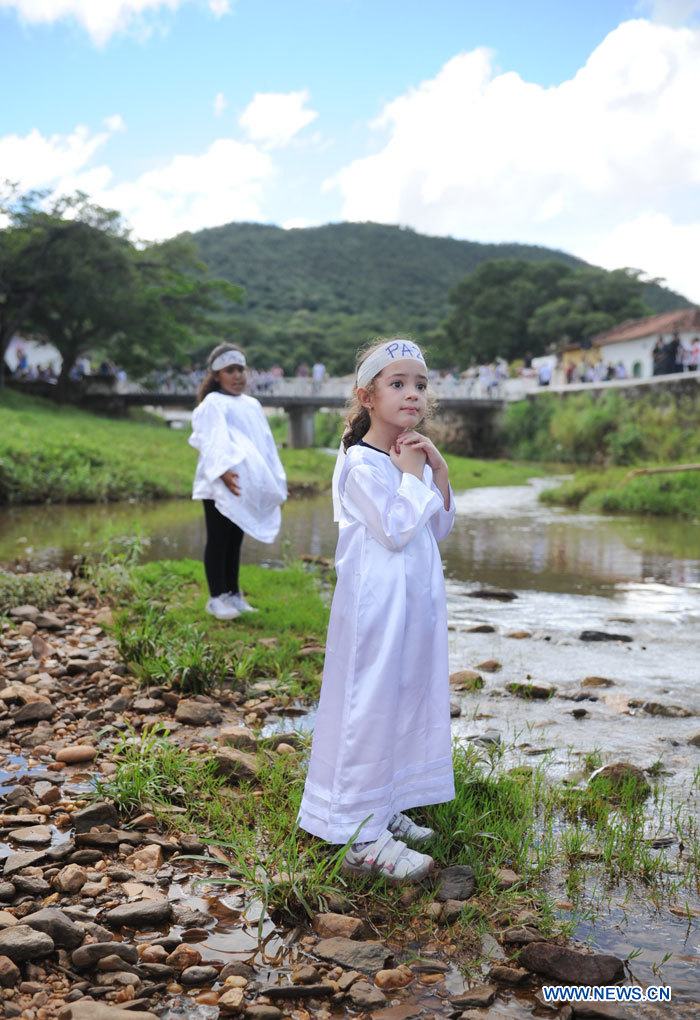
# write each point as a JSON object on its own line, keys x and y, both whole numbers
{"x": 396, "y": 350}
{"x": 226, "y": 359}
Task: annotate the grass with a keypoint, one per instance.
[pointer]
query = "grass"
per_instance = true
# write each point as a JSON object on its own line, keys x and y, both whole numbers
{"x": 40, "y": 590}
{"x": 608, "y": 491}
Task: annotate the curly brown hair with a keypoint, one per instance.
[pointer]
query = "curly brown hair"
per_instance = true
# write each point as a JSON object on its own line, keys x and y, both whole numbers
{"x": 210, "y": 384}
{"x": 357, "y": 417}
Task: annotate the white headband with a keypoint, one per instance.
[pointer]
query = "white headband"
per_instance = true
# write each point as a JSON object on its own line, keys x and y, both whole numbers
{"x": 395, "y": 350}
{"x": 226, "y": 359}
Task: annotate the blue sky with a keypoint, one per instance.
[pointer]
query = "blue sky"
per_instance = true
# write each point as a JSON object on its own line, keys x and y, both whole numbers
{"x": 544, "y": 122}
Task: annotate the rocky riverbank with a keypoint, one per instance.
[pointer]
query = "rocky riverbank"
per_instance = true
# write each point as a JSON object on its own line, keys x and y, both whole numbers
{"x": 109, "y": 904}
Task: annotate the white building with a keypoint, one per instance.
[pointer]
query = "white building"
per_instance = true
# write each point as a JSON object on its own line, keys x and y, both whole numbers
{"x": 633, "y": 341}
{"x": 36, "y": 355}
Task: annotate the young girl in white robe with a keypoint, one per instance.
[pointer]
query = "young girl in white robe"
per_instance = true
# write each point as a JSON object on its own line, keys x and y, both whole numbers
{"x": 239, "y": 476}
{"x": 382, "y": 739}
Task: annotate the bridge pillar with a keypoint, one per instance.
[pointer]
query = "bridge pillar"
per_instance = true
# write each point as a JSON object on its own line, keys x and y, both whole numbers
{"x": 301, "y": 433}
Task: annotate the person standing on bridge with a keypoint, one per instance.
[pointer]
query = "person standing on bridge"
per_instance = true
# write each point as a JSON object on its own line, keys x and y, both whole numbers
{"x": 239, "y": 477}
{"x": 382, "y": 740}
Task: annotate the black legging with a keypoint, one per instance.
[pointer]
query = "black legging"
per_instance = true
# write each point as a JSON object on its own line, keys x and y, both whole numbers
{"x": 222, "y": 553}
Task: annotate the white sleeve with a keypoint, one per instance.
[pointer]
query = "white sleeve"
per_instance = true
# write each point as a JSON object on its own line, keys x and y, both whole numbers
{"x": 441, "y": 523}
{"x": 393, "y": 518}
{"x": 271, "y": 454}
{"x": 211, "y": 436}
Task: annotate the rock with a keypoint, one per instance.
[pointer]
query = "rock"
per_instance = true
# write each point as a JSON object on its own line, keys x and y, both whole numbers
{"x": 579, "y": 713}
{"x": 479, "y": 995}
{"x": 329, "y": 925}
{"x": 531, "y": 691}
{"x": 148, "y": 858}
{"x": 22, "y": 860}
{"x": 184, "y": 956}
{"x": 597, "y": 681}
{"x": 467, "y": 680}
{"x": 368, "y": 957}
{"x": 666, "y": 711}
{"x": 47, "y": 793}
{"x": 519, "y": 635}
{"x": 451, "y": 910}
{"x": 232, "y": 1001}
{"x": 320, "y": 991}
{"x": 24, "y": 943}
{"x": 570, "y": 966}
{"x": 196, "y": 975}
{"x": 197, "y": 713}
{"x": 141, "y": 915}
{"x": 694, "y": 741}
{"x": 7, "y": 920}
{"x": 405, "y": 1011}
{"x": 76, "y": 754}
{"x": 237, "y": 736}
{"x": 25, "y": 612}
{"x": 399, "y": 977}
{"x": 34, "y": 711}
{"x": 490, "y": 666}
{"x": 618, "y": 778}
{"x": 88, "y": 955}
{"x": 493, "y": 593}
{"x": 363, "y": 996}
{"x": 601, "y": 635}
{"x": 506, "y": 878}
{"x": 49, "y": 621}
{"x": 259, "y": 1011}
{"x": 508, "y": 975}
{"x": 455, "y": 710}
{"x": 27, "y": 885}
{"x": 521, "y": 935}
{"x": 304, "y": 975}
{"x": 102, "y": 812}
{"x": 70, "y": 879}
{"x": 91, "y": 1010}
{"x": 283, "y": 748}
{"x": 235, "y": 764}
{"x": 7, "y": 892}
{"x": 482, "y": 628}
{"x": 455, "y": 883}
{"x": 64, "y": 932}
{"x": 31, "y": 835}
{"x": 9, "y": 973}
{"x": 147, "y": 706}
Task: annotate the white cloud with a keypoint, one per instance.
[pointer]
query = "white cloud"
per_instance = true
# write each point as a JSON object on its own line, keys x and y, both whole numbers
{"x": 671, "y": 12}
{"x": 273, "y": 118}
{"x": 224, "y": 183}
{"x": 56, "y": 161}
{"x": 220, "y": 104}
{"x": 102, "y": 18}
{"x": 115, "y": 122}
{"x": 486, "y": 155}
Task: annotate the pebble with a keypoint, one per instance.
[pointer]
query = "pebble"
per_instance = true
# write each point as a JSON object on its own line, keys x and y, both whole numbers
{"x": 76, "y": 754}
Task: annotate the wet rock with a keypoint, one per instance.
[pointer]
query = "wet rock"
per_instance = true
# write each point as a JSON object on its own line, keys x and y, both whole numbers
{"x": 665, "y": 711}
{"x": 368, "y": 957}
{"x": 467, "y": 680}
{"x": 519, "y": 635}
{"x": 46, "y": 793}
{"x": 473, "y": 998}
{"x": 148, "y": 858}
{"x": 455, "y": 883}
{"x": 88, "y": 955}
{"x": 344, "y": 925}
{"x": 91, "y": 1010}
{"x": 482, "y": 628}
{"x": 597, "y": 681}
{"x": 521, "y": 935}
{"x": 108, "y": 840}
{"x": 235, "y": 764}
{"x": 197, "y": 713}
{"x": 232, "y": 1001}
{"x": 405, "y": 1011}
{"x": 196, "y": 975}
{"x": 141, "y": 915}
{"x": 24, "y": 943}
{"x": 496, "y": 594}
{"x": 455, "y": 710}
{"x": 21, "y": 860}
{"x": 31, "y": 835}
{"x": 363, "y": 996}
{"x": 102, "y": 812}
{"x": 190, "y": 917}
{"x": 487, "y": 739}
{"x": 33, "y": 711}
{"x": 260, "y": 1011}
{"x": 237, "y": 736}
{"x": 304, "y": 975}
{"x": 694, "y": 741}
{"x": 490, "y": 666}
{"x": 602, "y": 635}
{"x": 579, "y": 713}
{"x": 508, "y": 975}
{"x": 570, "y": 966}
{"x": 184, "y": 956}
{"x": 398, "y": 977}
{"x": 70, "y": 879}
{"x": 237, "y": 969}
{"x": 9, "y": 973}
{"x": 64, "y": 932}
{"x": 618, "y": 778}
{"x": 531, "y": 691}
{"x": 76, "y": 754}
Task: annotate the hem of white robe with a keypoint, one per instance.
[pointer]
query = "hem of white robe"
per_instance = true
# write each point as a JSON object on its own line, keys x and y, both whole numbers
{"x": 319, "y": 821}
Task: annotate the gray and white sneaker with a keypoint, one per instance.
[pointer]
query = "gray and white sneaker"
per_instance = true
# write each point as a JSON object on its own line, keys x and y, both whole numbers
{"x": 388, "y": 858}
{"x": 405, "y": 828}
{"x": 238, "y": 602}
{"x": 221, "y": 608}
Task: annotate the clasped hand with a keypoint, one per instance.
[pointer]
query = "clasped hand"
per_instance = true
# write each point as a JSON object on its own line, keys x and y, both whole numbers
{"x": 412, "y": 451}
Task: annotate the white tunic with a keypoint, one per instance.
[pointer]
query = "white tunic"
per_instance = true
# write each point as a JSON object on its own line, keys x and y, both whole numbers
{"x": 232, "y": 434}
{"x": 382, "y": 734}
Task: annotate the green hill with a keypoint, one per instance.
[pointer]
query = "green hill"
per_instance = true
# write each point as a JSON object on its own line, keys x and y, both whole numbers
{"x": 322, "y": 291}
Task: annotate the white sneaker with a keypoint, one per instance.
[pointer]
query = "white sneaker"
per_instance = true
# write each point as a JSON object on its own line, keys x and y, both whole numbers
{"x": 222, "y": 609}
{"x": 405, "y": 828}
{"x": 238, "y": 602}
{"x": 388, "y": 858}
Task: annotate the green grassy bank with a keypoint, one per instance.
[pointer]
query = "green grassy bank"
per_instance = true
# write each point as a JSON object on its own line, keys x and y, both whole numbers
{"x": 54, "y": 454}
{"x": 604, "y": 437}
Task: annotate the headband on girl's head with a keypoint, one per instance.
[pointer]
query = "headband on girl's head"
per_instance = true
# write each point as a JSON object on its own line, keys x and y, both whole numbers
{"x": 226, "y": 359}
{"x": 394, "y": 350}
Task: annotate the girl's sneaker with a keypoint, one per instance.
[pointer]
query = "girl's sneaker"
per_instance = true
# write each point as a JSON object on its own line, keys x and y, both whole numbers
{"x": 405, "y": 828}
{"x": 238, "y": 602}
{"x": 388, "y": 858}
{"x": 222, "y": 609}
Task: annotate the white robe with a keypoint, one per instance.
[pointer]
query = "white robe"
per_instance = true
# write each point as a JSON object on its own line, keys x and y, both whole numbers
{"x": 232, "y": 434}
{"x": 382, "y": 738}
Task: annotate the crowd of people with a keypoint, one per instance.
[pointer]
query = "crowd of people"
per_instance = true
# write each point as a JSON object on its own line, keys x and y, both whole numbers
{"x": 673, "y": 355}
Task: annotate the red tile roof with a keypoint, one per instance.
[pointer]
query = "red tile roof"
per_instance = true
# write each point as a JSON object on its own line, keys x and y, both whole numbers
{"x": 684, "y": 319}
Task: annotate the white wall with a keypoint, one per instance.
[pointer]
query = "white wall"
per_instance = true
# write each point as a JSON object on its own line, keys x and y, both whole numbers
{"x": 37, "y": 354}
{"x": 639, "y": 350}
